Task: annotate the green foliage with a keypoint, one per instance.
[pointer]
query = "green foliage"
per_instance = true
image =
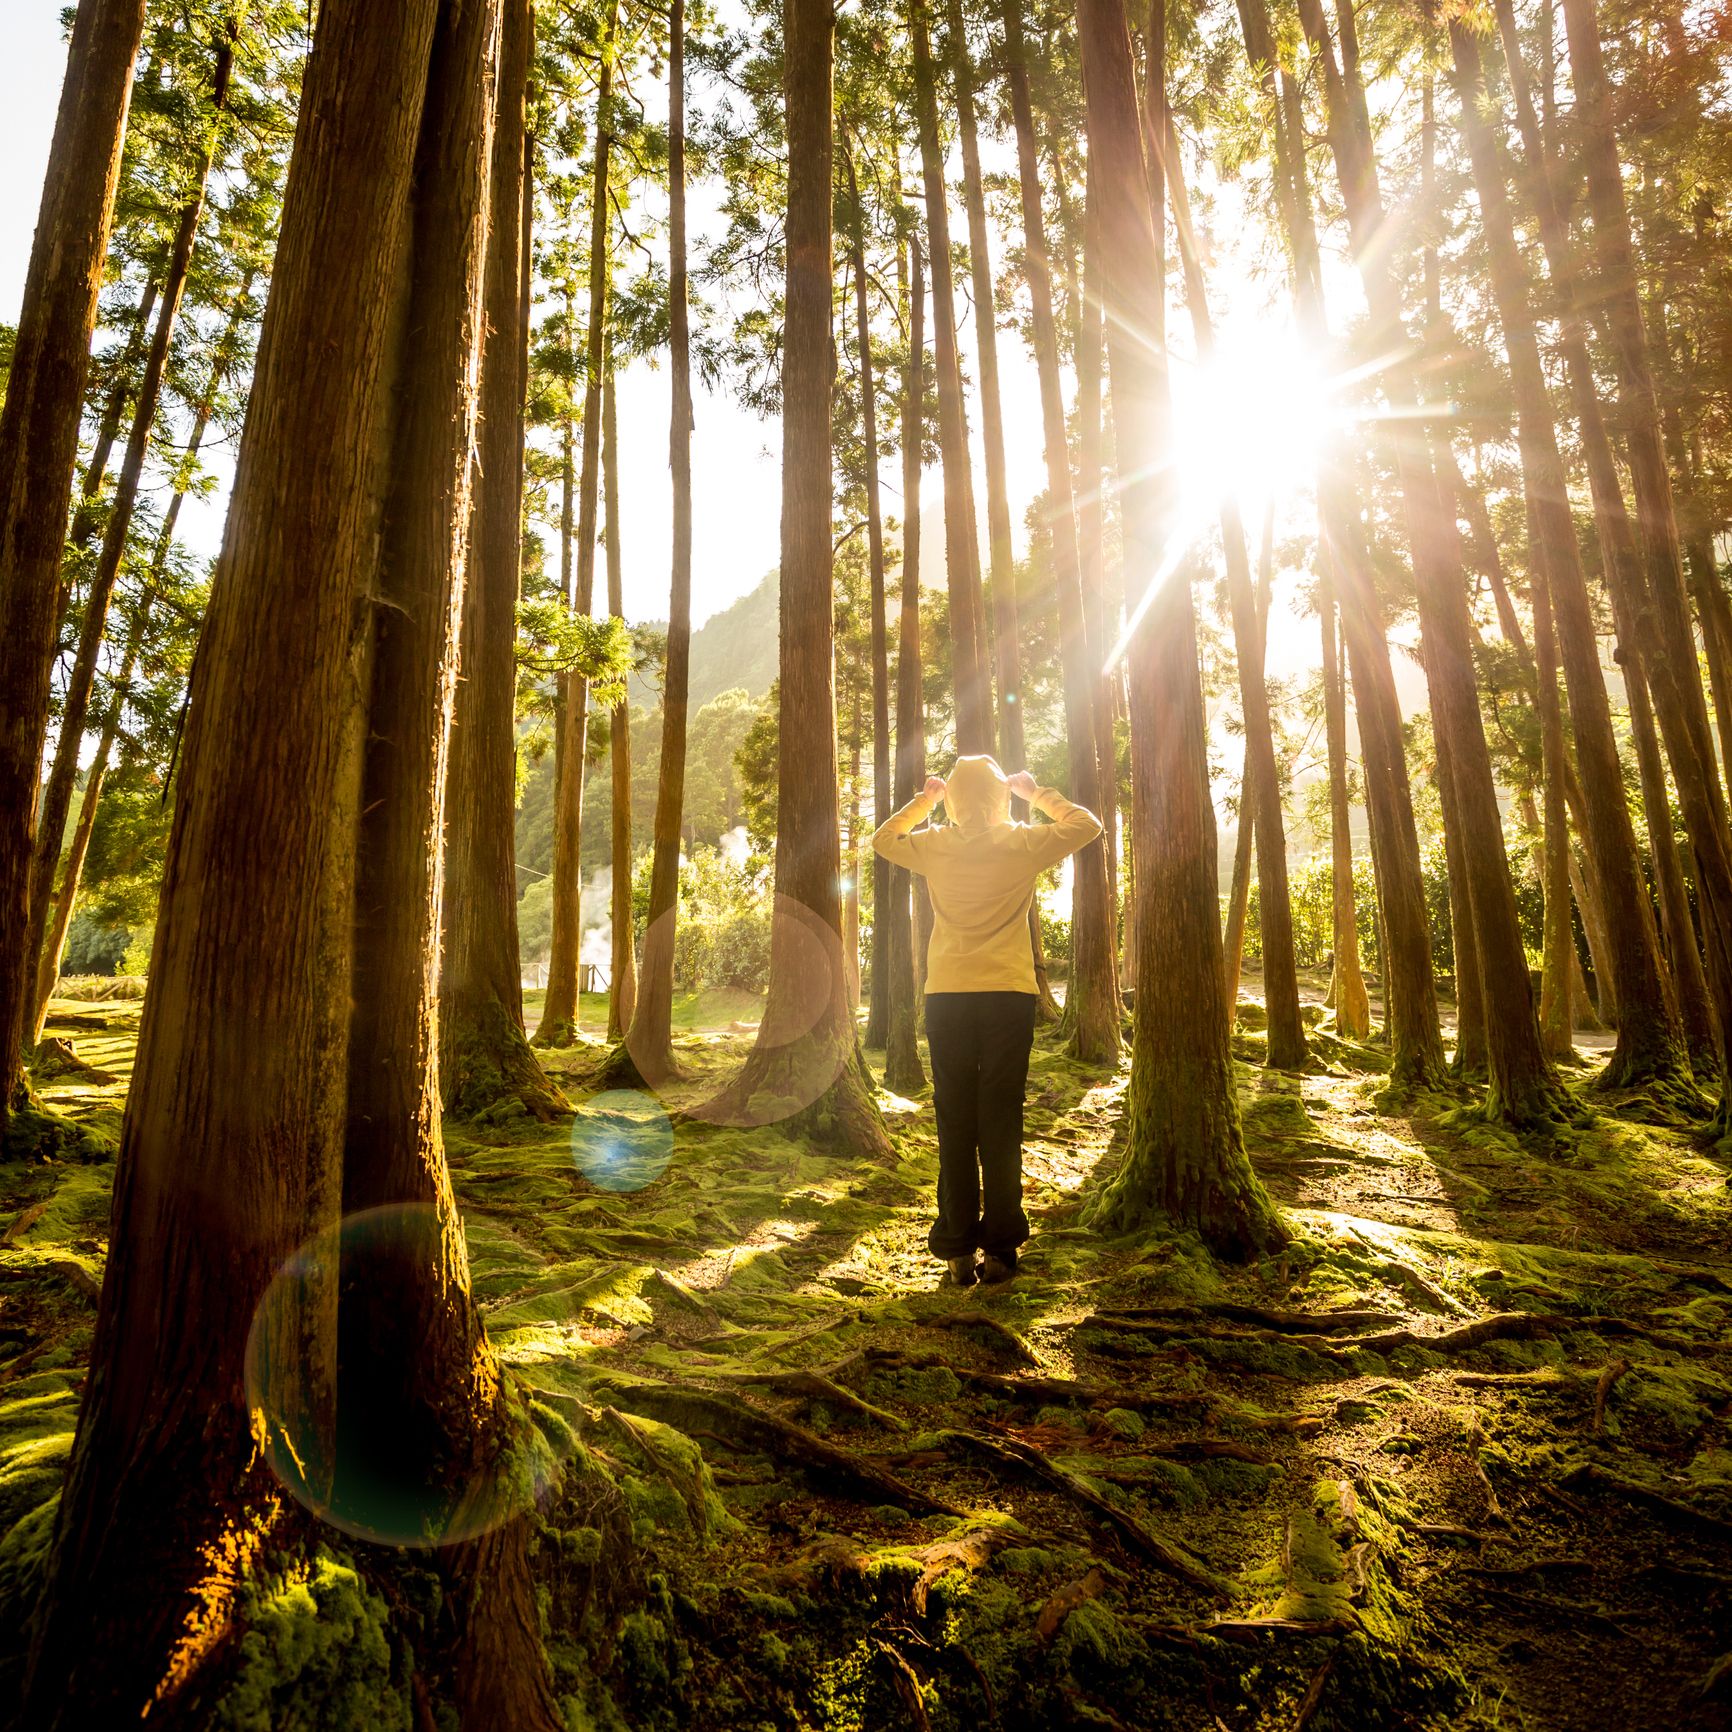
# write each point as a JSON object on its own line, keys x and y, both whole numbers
{"x": 723, "y": 938}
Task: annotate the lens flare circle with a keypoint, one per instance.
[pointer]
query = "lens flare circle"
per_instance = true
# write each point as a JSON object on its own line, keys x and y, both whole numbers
{"x": 336, "y": 1391}
{"x": 622, "y": 1140}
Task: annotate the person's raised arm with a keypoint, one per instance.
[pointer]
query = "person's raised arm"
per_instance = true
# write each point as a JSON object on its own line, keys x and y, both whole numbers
{"x": 1072, "y": 826}
{"x": 894, "y": 838}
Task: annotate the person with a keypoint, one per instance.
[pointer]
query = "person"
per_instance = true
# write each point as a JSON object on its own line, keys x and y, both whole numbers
{"x": 980, "y": 992}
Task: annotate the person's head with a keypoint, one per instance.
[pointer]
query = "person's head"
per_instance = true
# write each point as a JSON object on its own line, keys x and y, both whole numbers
{"x": 977, "y": 793}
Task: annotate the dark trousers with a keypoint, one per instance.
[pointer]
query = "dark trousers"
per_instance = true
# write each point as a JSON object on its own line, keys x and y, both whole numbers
{"x": 979, "y": 1044}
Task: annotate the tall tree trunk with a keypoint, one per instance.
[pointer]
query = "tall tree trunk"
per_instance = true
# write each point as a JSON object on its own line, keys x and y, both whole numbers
{"x": 1007, "y": 650}
{"x": 56, "y": 801}
{"x": 1557, "y": 947}
{"x": 1286, "y": 1050}
{"x": 1650, "y": 1048}
{"x": 974, "y": 731}
{"x": 484, "y": 1054}
{"x": 560, "y": 1008}
{"x": 1089, "y": 342}
{"x": 1185, "y": 1157}
{"x": 649, "y": 1043}
{"x": 1409, "y": 994}
{"x": 1092, "y": 1005}
{"x": 85, "y": 516}
{"x": 851, "y": 865}
{"x": 622, "y": 981}
{"x": 1238, "y": 904}
{"x": 1347, "y": 986}
{"x": 807, "y": 1049}
{"x": 903, "y": 1071}
{"x": 1675, "y": 918}
{"x": 226, "y": 354}
{"x": 1659, "y": 610}
{"x": 233, "y": 1151}
{"x": 1524, "y": 1091}
{"x": 422, "y": 1402}
{"x": 38, "y": 449}
{"x": 883, "y": 804}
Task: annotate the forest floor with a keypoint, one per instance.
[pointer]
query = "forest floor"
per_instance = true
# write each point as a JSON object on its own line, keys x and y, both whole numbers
{"x": 1460, "y": 1456}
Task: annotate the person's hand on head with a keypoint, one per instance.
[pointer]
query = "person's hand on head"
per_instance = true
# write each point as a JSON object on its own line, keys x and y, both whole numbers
{"x": 934, "y": 789}
{"x": 1023, "y": 785}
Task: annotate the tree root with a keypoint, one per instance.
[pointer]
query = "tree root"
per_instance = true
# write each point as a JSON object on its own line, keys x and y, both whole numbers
{"x": 734, "y": 1421}
{"x": 907, "y": 1685}
{"x": 1313, "y": 1694}
{"x": 813, "y": 1386}
{"x": 1002, "y": 1334}
{"x": 1284, "y": 1322}
{"x": 1254, "y": 1629}
{"x": 835, "y": 1558}
{"x": 1596, "y": 1478}
{"x": 1007, "y": 1452}
{"x": 1603, "y": 1389}
{"x": 1035, "y": 1390}
{"x": 691, "y": 1493}
{"x": 1519, "y": 1326}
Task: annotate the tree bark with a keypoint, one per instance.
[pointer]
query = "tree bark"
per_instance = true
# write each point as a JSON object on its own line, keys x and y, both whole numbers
{"x": 1347, "y": 987}
{"x": 484, "y": 1054}
{"x": 226, "y": 354}
{"x": 1557, "y": 1026}
{"x": 1238, "y": 904}
{"x": 1653, "y": 584}
{"x": 973, "y": 684}
{"x": 807, "y": 1047}
{"x": 560, "y": 1008}
{"x": 878, "y": 1009}
{"x": 649, "y": 1043}
{"x": 56, "y": 800}
{"x": 1409, "y": 994}
{"x": 622, "y": 981}
{"x": 1650, "y": 1046}
{"x": 233, "y": 1150}
{"x": 84, "y": 513}
{"x": 1001, "y": 562}
{"x": 1286, "y": 1048}
{"x": 1092, "y": 1004}
{"x": 903, "y": 1071}
{"x": 1089, "y": 342}
{"x": 38, "y": 449}
{"x": 1524, "y": 1091}
{"x": 1185, "y": 1156}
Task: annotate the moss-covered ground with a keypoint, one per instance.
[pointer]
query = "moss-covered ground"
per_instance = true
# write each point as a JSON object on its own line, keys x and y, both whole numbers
{"x": 1460, "y": 1457}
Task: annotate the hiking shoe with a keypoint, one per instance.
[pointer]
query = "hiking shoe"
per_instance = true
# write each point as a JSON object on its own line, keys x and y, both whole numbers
{"x": 962, "y": 1270}
{"x": 994, "y": 1271}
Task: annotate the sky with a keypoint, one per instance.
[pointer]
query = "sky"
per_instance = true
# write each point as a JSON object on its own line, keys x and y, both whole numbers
{"x": 1255, "y": 411}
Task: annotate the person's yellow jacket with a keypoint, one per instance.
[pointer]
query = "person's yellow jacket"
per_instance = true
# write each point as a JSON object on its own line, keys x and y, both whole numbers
{"x": 980, "y": 869}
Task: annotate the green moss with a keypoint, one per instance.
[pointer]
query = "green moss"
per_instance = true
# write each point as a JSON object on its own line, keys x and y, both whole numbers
{"x": 315, "y": 1655}
{"x": 1123, "y": 1422}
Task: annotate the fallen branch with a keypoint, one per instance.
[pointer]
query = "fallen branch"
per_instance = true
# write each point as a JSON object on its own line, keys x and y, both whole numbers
{"x": 1597, "y": 1479}
{"x": 1007, "y": 1452}
{"x": 735, "y": 1421}
{"x": 1520, "y": 1326}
